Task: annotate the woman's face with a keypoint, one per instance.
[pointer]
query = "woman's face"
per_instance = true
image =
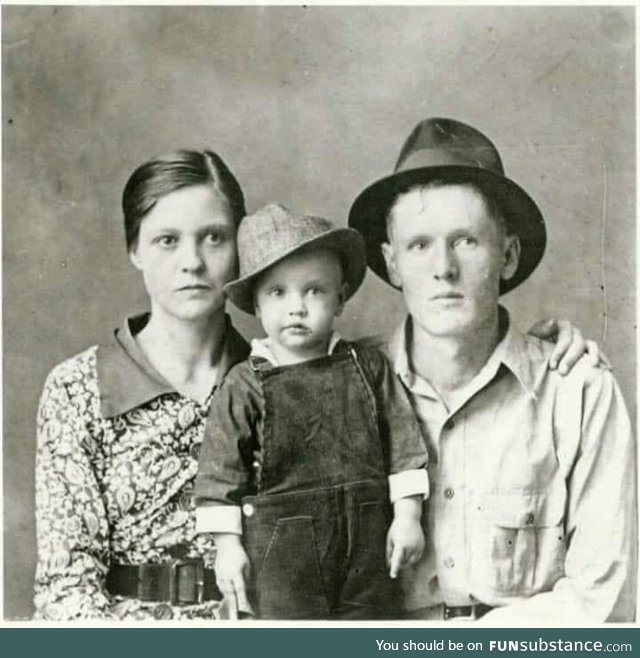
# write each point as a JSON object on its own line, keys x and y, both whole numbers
{"x": 186, "y": 251}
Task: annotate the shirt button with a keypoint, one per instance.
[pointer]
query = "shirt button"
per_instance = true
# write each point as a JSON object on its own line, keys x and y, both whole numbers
{"x": 449, "y": 425}
{"x": 529, "y": 518}
{"x": 248, "y": 509}
{"x": 449, "y": 493}
{"x": 449, "y": 562}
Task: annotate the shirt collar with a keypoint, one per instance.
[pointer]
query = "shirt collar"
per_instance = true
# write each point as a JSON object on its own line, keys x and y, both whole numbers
{"x": 126, "y": 378}
{"x": 261, "y": 347}
{"x": 515, "y": 356}
{"x": 511, "y": 352}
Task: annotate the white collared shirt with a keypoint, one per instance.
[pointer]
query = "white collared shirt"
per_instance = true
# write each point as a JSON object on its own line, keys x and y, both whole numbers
{"x": 262, "y": 347}
{"x": 533, "y": 489}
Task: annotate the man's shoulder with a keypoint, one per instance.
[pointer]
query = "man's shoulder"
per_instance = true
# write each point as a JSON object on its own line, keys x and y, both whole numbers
{"x": 538, "y": 351}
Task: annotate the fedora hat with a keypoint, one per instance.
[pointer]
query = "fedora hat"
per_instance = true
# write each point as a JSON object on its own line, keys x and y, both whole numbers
{"x": 274, "y": 232}
{"x": 448, "y": 150}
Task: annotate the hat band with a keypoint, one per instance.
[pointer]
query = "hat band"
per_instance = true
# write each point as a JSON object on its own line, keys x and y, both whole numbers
{"x": 477, "y": 158}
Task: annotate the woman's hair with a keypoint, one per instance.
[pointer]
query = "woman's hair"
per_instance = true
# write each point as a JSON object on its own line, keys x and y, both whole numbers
{"x": 165, "y": 174}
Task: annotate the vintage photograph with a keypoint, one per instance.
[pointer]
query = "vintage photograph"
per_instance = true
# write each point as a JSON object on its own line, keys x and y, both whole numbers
{"x": 319, "y": 313}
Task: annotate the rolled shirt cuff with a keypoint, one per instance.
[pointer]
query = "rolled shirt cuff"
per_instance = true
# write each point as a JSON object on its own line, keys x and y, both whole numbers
{"x": 414, "y": 482}
{"x": 219, "y": 518}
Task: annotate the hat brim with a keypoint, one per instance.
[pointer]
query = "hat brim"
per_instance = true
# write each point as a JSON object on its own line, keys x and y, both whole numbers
{"x": 348, "y": 244}
{"x": 369, "y": 212}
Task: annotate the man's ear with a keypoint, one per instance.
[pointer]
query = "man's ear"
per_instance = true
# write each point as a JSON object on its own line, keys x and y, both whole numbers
{"x": 390, "y": 260}
{"x": 511, "y": 257}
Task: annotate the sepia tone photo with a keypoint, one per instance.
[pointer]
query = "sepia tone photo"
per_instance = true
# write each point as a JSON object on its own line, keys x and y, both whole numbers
{"x": 319, "y": 313}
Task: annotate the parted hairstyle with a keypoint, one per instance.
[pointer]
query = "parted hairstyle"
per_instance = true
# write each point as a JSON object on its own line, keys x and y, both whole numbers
{"x": 168, "y": 173}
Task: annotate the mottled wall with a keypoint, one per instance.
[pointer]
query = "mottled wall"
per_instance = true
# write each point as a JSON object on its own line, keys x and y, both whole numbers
{"x": 307, "y": 106}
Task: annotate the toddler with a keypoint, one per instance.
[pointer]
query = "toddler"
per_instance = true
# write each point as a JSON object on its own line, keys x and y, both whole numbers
{"x": 312, "y": 471}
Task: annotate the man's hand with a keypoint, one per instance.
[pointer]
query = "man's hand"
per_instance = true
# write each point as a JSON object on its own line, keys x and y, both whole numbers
{"x": 405, "y": 539}
{"x": 232, "y": 571}
{"x": 570, "y": 345}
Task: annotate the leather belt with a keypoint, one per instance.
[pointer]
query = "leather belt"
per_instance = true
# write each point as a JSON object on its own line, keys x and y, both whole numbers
{"x": 467, "y": 611}
{"x": 179, "y": 582}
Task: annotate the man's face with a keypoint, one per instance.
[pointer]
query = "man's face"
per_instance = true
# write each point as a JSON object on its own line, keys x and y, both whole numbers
{"x": 448, "y": 254}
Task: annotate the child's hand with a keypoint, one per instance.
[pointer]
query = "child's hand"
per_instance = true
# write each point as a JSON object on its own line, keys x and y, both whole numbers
{"x": 405, "y": 543}
{"x": 405, "y": 539}
{"x": 232, "y": 571}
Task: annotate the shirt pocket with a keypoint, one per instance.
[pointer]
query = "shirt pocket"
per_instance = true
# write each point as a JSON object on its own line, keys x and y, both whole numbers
{"x": 527, "y": 547}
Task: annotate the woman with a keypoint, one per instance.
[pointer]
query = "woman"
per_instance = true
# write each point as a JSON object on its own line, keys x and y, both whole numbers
{"x": 120, "y": 425}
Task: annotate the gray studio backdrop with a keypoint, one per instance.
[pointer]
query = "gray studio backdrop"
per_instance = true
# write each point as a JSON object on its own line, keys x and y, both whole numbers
{"x": 307, "y": 106}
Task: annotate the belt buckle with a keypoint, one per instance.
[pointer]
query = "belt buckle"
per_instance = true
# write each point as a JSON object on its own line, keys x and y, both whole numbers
{"x": 177, "y": 566}
{"x": 147, "y": 586}
{"x": 470, "y": 617}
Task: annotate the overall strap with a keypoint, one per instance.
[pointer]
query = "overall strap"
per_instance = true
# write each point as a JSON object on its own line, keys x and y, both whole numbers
{"x": 320, "y": 426}
{"x": 364, "y": 370}
{"x": 259, "y": 364}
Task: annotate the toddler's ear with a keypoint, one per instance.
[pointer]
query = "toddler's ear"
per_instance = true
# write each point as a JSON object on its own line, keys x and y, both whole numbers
{"x": 390, "y": 260}
{"x": 342, "y": 296}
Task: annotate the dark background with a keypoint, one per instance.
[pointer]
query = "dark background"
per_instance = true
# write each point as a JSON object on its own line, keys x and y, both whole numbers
{"x": 307, "y": 106}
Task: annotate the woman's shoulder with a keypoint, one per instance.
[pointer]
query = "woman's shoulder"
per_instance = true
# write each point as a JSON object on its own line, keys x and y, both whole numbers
{"x": 81, "y": 366}
{"x": 78, "y": 366}
{"x": 70, "y": 390}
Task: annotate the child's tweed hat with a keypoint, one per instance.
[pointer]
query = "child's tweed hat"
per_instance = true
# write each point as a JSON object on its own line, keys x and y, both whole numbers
{"x": 274, "y": 232}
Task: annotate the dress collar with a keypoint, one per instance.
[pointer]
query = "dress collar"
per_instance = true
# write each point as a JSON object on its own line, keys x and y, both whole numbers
{"x": 126, "y": 379}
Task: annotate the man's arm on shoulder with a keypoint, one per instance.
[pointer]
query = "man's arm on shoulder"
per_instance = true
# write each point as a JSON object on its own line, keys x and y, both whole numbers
{"x": 570, "y": 346}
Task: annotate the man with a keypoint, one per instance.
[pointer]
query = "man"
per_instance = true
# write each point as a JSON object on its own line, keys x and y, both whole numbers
{"x": 532, "y": 513}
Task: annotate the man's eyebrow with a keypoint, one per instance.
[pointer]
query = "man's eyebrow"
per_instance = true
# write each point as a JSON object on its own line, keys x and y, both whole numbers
{"x": 418, "y": 236}
{"x": 464, "y": 230}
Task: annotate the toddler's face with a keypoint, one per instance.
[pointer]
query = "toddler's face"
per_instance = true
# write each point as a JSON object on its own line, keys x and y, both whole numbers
{"x": 297, "y": 301}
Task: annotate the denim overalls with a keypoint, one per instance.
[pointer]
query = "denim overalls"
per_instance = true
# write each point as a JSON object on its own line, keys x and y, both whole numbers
{"x": 315, "y": 531}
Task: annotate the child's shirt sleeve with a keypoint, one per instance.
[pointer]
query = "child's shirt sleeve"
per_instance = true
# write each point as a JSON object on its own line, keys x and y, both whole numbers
{"x": 399, "y": 428}
{"x": 228, "y": 447}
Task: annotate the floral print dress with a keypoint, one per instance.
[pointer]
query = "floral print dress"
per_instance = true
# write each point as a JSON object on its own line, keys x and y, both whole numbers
{"x": 116, "y": 461}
